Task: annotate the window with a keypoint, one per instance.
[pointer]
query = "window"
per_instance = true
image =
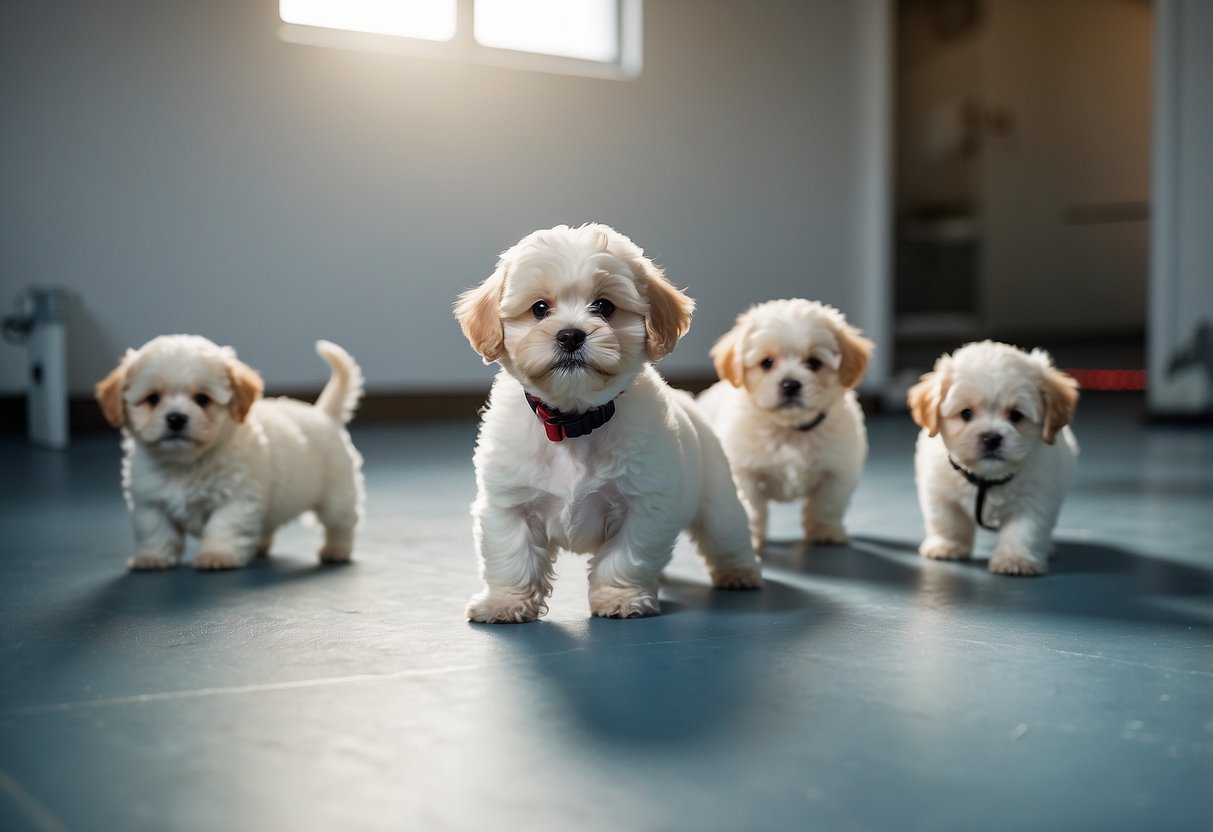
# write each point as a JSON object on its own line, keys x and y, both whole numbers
{"x": 587, "y": 29}
{"x": 584, "y": 37}
{"x": 426, "y": 19}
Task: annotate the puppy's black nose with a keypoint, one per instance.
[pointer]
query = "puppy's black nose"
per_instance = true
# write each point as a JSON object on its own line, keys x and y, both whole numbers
{"x": 790, "y": 388}
{"x": 176, "y": 421}
{"x": 570, "y": 339}
{"x": 991, "y": 441}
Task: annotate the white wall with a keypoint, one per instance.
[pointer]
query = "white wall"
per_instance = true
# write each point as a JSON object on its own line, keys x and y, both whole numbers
{"x": 183, "y": 169}
{"x": 1181, "y": 290}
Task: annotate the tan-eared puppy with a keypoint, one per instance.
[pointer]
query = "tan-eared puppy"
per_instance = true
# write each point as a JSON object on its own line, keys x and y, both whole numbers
{"x": 995, "y": 450}
{"x": 207, "y": 456}
{"x": 583, "y": 447}
{"x": 786, "y": 411}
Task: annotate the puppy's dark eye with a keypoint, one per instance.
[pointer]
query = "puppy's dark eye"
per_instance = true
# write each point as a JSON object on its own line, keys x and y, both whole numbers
{"x": 966, "y": 415}
{"x": 202, "y": 399}
{"x": 813, "y": 364}
{"x": 152, "y": 399}
{"x": 767, "y": 363}
{"x": 540, "y": 309}
{"x": 1015, "y": 415}
{"x": 603, "y": 308}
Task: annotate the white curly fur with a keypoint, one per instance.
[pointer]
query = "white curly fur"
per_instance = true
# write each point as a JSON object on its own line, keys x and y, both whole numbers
{"x": 991, "y": 393}
{"x": 240, "y": 466}
{"x": 784, "y": 364}
{"x": 622, "y": 493}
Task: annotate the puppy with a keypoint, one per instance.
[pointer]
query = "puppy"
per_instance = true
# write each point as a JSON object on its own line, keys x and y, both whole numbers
{"x": 787, "y": 415}
{"x": 583, "y": 446}
{"x": 207, "y": 456}
{"x": 995, "y": 450}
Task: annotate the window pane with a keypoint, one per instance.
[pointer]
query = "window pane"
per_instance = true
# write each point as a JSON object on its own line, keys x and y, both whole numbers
{"x": 587, "y": 29}
{"x": 426, "y": 19}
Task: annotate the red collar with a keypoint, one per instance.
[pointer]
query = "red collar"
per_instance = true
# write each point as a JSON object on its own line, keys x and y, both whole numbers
{"x": 559, "y": 426}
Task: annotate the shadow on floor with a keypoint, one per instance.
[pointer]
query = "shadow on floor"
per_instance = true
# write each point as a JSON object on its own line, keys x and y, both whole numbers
{"x": 1085, "y": 579}
{"x": 110, "y": 608}
{"x": 673, "y": 680}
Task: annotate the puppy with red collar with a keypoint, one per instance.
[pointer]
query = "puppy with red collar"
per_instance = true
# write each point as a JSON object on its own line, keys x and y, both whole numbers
{"x": 583, "y": 446}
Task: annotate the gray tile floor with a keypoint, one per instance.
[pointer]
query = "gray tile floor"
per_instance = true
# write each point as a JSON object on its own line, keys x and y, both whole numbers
{"x": 862, "y": 689}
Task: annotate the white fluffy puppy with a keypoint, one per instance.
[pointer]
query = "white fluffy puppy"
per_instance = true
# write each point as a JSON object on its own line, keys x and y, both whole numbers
{"x": 207, "y": 456}
{"x": 786, "y": 411}
{"x": 583, "y": 446}
{"x": 995, "y": 450}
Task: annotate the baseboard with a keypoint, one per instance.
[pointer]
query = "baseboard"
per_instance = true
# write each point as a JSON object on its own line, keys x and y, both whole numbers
{"x": 377, "y": 407}
{"x": 84, "y": 415}
{"x": 397, "y": 407}
{"x": 1199, "y": 419}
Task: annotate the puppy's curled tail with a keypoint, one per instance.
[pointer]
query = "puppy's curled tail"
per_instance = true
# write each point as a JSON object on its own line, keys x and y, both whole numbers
{"x": 340, "y": 397}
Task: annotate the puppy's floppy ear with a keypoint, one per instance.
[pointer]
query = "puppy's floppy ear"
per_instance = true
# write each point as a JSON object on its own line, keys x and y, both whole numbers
{"x": 1060, "y": 394}
{"x": 926, "y": 396}
{"x": 726, "y": 355}
{"x": 246, "y": 385}
{"x": 479, "y": 318}
{"x": 109, "y": 392}
{"x": 856, "y": 353}
{"x": 670, "y": 311}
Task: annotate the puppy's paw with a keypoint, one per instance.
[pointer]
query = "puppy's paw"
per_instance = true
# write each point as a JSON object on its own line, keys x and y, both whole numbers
{"x": 827, "y": 534}
{"x": 756, "y": 542}
{"x": 216, "y": 560}
{"x": 741, "y": 577}
{"x": 623, "y": 602}
{"x": 940, "y": 548}
{"x": 1017, "y": 563}
{"x": 331, "y": 553}
{"x": 147, "y": 562}
{"x": 496, "y": 608}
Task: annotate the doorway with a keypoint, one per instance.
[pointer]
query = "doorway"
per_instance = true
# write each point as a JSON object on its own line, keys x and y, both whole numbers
{"x": 1022, "y": 155}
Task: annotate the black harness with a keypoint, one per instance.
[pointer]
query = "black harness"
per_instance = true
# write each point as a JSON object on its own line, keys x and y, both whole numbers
{"x": 983, "y": 485}
{"x": 812, "y": 423}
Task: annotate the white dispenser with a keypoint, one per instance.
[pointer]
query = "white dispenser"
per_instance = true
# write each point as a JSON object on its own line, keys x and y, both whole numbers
{"x": 40, "y": 323}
